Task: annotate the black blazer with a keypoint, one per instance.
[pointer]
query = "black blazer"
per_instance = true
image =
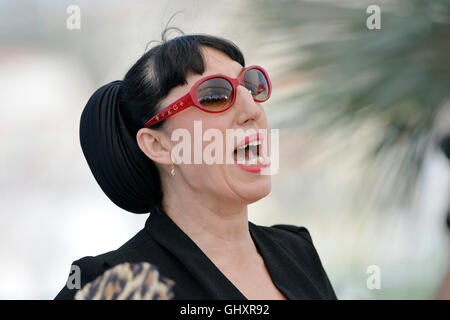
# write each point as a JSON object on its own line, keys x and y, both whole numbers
{"x": 287, "y": 250}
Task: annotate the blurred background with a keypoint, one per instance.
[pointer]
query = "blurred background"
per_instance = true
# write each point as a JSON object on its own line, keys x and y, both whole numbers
{"x": 361, "y": 101}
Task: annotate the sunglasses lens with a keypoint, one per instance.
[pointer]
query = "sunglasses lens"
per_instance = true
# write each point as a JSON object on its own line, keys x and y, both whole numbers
{"x": 256, "y": 82}
{"x": 215, "y": 94}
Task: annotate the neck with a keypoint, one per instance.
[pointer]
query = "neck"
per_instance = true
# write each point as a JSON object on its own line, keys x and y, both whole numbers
{"x": 215, "y": 226}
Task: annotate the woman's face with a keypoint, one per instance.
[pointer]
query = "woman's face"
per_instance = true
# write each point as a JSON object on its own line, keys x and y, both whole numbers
{"x": 226, "y": 181}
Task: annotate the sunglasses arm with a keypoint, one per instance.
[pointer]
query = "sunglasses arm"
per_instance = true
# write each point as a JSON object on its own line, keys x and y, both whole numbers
{"x": 170, "y": 110}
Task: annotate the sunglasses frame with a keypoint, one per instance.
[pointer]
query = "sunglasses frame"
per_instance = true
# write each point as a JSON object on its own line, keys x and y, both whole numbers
{"x": 191, "y": 98}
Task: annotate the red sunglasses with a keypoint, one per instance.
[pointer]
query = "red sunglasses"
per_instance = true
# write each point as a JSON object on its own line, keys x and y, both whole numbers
{"x": 217, "y": 93}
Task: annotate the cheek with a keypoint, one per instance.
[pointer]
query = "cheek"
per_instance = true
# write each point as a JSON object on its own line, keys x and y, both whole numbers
{"x": 226, "y": 180}
{"x": 202, "y": 129}
{"x": 202, "y": 139}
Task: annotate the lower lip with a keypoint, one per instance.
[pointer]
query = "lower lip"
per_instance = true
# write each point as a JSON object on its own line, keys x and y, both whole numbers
{"x": 253, "y": 168}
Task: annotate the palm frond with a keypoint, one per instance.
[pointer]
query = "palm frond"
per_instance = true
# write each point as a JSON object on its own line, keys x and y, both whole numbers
{"x": 397, "y": 76}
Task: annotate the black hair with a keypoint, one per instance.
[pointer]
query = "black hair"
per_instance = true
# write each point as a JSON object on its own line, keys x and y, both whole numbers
{"x": 116, "y": 111}
{"x": 162, "y": 68}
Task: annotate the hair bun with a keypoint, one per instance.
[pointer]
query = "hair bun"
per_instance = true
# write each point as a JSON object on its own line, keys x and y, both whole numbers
{"x": 125, "y": 174}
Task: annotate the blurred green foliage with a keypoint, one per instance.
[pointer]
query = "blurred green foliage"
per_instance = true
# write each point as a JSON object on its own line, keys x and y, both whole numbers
{"x": 397, "y": 76}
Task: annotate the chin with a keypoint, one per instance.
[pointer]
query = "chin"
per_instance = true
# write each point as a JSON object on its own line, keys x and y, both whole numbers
{"x": 256, "y": 190}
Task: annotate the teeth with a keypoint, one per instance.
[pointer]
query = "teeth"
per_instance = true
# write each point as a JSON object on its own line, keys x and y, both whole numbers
{"x": 253, "y": 143}
{"x": 254, "y": 158}
{"x": 252, "y": 161}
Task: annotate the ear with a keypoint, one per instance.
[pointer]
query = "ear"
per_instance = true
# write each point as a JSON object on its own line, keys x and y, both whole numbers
{"x": 154, "y": 144}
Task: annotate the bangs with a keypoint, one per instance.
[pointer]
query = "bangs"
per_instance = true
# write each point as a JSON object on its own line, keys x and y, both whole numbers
{"x": 163, "y": 67}
{"x": 175, "y": 59}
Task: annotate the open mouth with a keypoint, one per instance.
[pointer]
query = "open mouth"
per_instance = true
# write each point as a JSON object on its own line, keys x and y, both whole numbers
{"x": 249, "y": 154}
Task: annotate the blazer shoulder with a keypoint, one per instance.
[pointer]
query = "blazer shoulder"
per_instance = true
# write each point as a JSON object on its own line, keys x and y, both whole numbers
{"x": 82, "y": 271}
{"x": 296, "y": 230}
{"x": 295, "y": 239}
{"x": 298, "y": 241}
{"x": 88, "y": 268}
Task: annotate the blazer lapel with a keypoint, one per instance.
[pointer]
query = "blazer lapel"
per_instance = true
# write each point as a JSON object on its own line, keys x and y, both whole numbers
{"x": 164, "y": 231}
{"x": 287, "y": 273}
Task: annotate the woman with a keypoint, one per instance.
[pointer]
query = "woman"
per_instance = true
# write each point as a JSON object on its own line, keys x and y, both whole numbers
{"x": 198, "y": 234}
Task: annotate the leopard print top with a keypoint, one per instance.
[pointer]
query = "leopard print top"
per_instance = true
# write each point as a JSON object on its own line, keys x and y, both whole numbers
{"x": 137, "y": 281}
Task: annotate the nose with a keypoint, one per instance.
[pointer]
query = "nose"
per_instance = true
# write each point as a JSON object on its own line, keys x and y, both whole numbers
{"x": 248, "y": 108}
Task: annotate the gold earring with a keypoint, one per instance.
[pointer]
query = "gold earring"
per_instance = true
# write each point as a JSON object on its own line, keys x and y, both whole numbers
{"x": 172, "y": 172}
